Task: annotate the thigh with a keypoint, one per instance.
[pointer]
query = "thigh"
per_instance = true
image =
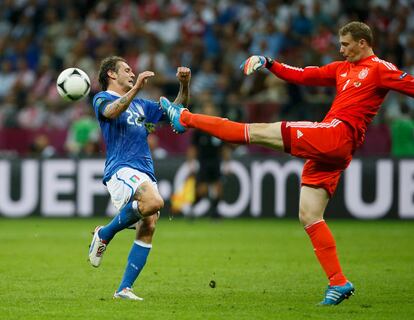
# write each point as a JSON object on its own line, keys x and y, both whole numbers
{"x": 328, "y": 142}
{"x": 266, "y": 134}
{"x": 322, "y": 175}
{"x": 147, "y": 191}
{"x": 123, "y": 185}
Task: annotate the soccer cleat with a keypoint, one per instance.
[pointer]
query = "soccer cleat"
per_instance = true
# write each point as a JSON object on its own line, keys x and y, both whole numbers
{"x": 336, "y": 294}
{"x": 97, "y": 248}
{"x": 173, "y": 113}
{"x": 127, "y": 294}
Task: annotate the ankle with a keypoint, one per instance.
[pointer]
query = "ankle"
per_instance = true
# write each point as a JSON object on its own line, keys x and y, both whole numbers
{"x": 185, "y": 117}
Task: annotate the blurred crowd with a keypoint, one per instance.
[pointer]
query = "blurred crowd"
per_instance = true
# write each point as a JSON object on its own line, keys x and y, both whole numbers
{"x": 40, "y": 38}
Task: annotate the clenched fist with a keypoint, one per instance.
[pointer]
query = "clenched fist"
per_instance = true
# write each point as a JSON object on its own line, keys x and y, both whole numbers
{"x": 183, "y": 75}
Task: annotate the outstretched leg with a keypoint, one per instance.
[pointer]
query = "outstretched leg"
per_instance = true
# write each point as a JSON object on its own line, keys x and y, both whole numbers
{"x": 221, "y": 128}
{"x": 266, "y": 134}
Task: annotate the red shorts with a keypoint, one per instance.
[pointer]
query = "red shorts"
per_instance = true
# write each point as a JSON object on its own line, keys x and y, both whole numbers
{"x": 328, "y": 146}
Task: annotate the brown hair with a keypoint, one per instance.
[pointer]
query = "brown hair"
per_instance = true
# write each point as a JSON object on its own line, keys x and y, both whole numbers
{"x": 358, "y": 31}
{"x": 109, "y": 63}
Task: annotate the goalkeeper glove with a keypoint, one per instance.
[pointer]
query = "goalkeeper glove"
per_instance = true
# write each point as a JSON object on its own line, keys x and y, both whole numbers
{"x": 254, "y": 63}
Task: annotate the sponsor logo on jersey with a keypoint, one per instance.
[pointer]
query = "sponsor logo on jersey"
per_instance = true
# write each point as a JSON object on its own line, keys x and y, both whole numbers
{"x": 403, "y": 75}
{"x": 363, "y": 73}
{"x": 299, "y": 134}
{"x": 357, "y": 84}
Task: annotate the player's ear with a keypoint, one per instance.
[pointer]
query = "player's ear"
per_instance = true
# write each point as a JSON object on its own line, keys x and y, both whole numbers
{"x": 362, "y": 43}
{"x": 111, "y": 74}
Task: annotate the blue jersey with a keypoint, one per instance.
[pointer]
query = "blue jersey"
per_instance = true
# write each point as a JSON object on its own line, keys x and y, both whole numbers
{"x": 126, "y": 136}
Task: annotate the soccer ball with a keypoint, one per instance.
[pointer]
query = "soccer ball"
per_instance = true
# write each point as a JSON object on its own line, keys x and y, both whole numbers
{"x": 73, "y": 84}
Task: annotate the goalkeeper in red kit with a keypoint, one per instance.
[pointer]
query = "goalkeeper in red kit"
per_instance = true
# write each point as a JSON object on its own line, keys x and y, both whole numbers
{"x": 362, "y": 81}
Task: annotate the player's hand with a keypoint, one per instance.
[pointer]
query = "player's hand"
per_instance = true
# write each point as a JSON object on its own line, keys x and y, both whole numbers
{"x": 252, "y": 64}
{"x": 143, "y": 78}
{"x": 183, "y": 75}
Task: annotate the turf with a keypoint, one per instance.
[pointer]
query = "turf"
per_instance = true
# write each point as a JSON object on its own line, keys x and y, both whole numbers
{"x": 263, "y": 269}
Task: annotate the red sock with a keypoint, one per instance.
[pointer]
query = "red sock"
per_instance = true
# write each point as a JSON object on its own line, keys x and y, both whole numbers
{"x": 222, "y": 128}
{"x": 325, "y": 249}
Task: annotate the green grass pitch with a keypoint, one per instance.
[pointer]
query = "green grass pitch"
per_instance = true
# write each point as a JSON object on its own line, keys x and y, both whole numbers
{"x": 263, "y": 269}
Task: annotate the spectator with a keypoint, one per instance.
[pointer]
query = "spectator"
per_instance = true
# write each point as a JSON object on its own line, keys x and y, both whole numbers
{"x": 156, "y": 151}
{"x": 8, "y": 78}
{"x": 9, "y": 112}
{"x": 402, "y": 134}
{"x": 41, "y": 147}
{"x": 82, "y": 134}
{"x": 209, "y": 151}
{"x": 205, "y": 79}
{"x": 40, "y": 38}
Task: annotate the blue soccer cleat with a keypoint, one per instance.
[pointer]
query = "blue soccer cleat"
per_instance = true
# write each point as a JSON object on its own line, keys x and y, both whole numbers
{"x": 173, "y": 113}
{"x": 336, "y": 294}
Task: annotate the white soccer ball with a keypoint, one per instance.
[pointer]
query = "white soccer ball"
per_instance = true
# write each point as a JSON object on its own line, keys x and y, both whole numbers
{"x": 73, "y": 84}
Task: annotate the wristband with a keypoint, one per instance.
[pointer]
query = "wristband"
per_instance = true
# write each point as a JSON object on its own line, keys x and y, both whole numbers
{"x": 269, "y": 62}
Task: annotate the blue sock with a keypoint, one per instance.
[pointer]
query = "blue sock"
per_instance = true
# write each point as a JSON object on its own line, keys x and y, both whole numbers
{"x": 122, "y": 220}
{"x": 136, "y": 261}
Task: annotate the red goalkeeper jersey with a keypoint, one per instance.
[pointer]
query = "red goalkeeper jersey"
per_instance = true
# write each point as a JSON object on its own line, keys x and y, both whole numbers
{"x": 360, "y": 87}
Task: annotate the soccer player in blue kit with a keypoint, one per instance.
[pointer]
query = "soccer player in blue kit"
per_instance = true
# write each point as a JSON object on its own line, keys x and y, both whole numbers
{"x": 125, "y": 122}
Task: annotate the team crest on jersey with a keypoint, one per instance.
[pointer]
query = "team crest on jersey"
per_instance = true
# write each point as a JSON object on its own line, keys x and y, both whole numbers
{"x": 357, "y": 84}
{"x": 363, "y": 73}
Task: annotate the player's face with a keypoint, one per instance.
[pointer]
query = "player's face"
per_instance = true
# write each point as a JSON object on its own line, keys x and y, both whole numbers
{"x": 125, "y": 76}
{"x": 351, "y": 49}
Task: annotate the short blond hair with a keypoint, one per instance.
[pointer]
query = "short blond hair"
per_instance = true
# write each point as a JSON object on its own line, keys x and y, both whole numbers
{"x": 358, "y": 30}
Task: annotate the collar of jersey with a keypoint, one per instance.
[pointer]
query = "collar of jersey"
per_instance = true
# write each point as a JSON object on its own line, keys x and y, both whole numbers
{"x": 113, "y": 93}
{"x": 365, "y": 59}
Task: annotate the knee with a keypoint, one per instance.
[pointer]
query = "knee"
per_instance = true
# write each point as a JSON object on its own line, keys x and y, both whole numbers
{"x": 303, "y": 217}
{"x": 307, "y": 217}
{"x": 151, "y": 206}
{"x": 157, "y": 204}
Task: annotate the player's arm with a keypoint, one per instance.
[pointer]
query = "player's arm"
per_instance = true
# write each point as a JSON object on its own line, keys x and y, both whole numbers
{"x": 184, "y": 77}
{"x": 115, "y": 108}
{"x": 311, "y": 76}
{"x": 390, "y": 77}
